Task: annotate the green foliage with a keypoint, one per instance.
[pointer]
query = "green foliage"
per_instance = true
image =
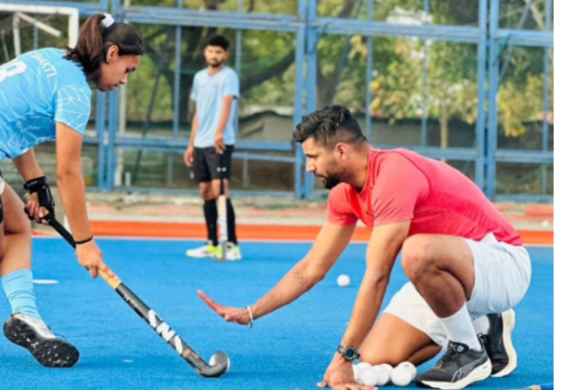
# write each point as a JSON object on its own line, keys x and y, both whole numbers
{"x": 518, "y": 104}
{"x": 267, "y": 69}
{"x": 397, "y": 90}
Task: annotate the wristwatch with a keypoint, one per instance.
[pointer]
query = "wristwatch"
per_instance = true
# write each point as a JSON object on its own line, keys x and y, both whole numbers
{"x": 349, "y": 352}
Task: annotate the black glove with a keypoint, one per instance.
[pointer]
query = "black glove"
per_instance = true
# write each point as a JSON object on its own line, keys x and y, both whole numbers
{"x": 40, "y": 187}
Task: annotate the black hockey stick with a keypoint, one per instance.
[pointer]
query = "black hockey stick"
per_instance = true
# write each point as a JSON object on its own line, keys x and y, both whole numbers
{"x": 220, "y": 358}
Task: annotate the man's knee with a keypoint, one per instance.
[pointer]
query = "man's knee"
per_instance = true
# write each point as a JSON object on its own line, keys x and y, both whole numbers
{"x": 417, "y": 256}
{"x": 206, "y": 190}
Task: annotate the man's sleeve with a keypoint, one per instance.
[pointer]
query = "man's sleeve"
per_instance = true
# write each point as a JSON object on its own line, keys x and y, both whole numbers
{"x": 231, "y": 86}
{"x": 73, "y": 106}
{"x": 400, "y": 186}
{"x": 339, "y": 211}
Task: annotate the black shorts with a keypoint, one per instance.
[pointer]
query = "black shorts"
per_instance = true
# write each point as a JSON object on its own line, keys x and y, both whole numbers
{"x": 207, "y": 161}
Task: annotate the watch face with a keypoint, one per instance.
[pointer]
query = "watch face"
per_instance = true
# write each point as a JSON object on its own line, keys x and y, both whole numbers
{"x": 350, "y": 353}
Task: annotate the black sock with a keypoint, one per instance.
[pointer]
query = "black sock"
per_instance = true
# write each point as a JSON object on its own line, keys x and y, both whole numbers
{"x": 231, "y": 222}
{"x": 211, "y": 215}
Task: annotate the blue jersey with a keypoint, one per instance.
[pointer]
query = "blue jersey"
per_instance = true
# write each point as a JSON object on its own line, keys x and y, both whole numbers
{"x": 208, "y": 93}
{"x": 38, "y": 89}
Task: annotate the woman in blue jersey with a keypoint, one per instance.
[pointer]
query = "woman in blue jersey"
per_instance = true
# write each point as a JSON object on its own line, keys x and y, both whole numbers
{"x": 45, "y": 95}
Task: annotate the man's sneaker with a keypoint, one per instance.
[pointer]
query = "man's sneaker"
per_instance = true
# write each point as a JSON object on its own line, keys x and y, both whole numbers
{"x": 31, "y": 333}
{"x": 499, "y": 343}
{"x": 232, "y": 252}
{"x": 206, "y": 251}
{"x": 458, "y": 368}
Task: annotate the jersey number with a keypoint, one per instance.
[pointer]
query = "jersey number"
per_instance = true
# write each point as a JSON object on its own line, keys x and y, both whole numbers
{"x": 12, "y": 69}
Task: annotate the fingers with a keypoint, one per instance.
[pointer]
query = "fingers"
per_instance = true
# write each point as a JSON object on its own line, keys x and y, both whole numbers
{"x": 41, "y": 214}
{"x": 220, "y": 146}
{"x": 35, "y": 211}
{"x": 31, "y": 208}
{"x": 29, "y": 203}
{"x": 188, "y": 160}
{"x": 93, "y": 272}
{"x": 352, "y": 386}
{"x": 227, "y": 313}
{"x": 106, "y": 270}
{"x": 323, "y": 384}
{"x": 210, "y": 303}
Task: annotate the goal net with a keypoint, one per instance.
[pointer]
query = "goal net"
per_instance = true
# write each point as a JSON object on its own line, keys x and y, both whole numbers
{"x": 30, "y": 27}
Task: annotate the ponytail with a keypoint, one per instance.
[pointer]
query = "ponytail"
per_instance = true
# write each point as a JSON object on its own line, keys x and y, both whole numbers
{"x": 96, "y": 36}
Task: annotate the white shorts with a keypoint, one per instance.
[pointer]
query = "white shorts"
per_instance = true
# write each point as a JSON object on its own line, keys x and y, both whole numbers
{"x": 2, "y": 184}
{"x": 502, "y": 278}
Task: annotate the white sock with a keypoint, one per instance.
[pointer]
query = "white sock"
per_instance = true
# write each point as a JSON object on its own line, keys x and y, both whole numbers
{"x": 481, "y": 325}
{"x": 459, "y": 328}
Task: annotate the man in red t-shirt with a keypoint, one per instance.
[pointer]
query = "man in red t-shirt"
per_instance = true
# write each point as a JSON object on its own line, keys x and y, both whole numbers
{"x": 466, "y": 264}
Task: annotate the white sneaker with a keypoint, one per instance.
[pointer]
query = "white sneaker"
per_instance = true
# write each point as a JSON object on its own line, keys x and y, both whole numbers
{"x": 206, "y": 251}
{"x": 232, "y": 252}
{"x": 34, "y": 335}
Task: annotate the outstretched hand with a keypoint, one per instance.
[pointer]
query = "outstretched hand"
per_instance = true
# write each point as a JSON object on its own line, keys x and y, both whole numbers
{"x": 230, "y": 314}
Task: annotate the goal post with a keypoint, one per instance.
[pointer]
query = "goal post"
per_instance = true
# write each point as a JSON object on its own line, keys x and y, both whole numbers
{"x": 15, "y": 17}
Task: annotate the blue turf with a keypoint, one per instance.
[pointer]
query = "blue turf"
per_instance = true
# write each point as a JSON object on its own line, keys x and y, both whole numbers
{"x": 287, "y": 350}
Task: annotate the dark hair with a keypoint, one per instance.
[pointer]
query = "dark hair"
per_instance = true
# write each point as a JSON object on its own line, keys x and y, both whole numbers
{"x": 218, "y": 40}
{"x": 328, "y": 126}
{"x": 95, "y": 40}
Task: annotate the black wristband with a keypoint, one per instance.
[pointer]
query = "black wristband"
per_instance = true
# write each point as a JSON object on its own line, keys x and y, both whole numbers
{"x": 40, "y": 187}
{"x": 84, "y": 241}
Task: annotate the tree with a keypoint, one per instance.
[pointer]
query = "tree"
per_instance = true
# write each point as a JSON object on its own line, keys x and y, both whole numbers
{"x": 158, "y": 37}
{"x": 519, "y": 104}
{"x": 397, "y": 89}
{"x": 452, "y": 73}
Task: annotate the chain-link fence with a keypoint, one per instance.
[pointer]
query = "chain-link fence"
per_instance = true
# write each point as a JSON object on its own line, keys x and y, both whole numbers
{"x": 413, "y": 71}
{"x": 524, "y": 103}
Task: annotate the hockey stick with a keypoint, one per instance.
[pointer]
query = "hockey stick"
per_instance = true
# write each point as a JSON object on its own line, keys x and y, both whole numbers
{"x": 221, "y": 362}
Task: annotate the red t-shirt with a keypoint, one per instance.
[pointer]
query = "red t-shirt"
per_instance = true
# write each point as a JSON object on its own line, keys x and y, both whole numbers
{"x": 402, "y": 185}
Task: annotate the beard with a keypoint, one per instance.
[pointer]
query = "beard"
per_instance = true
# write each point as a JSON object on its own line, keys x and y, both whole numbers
{"x": 215, "y": 64}
{"x": 329, "y": 182}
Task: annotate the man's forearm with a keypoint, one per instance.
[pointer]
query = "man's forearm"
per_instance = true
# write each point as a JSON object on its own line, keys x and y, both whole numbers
{"x": 27, "y": 166}
{"x": 366, "y": 309}
{"x": 224, "y": 117}
{"x": 297, "y": 282}
{"x": 193, "y": 131}
{"x": 72, "y": 191}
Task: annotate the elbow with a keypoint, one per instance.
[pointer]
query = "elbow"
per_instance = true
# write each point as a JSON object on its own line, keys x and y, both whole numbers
{"x": 317, "y": 277}
{"x": 307, "y": 278}
{"x": 312, "y": 281}
{"x": 314, "y": 276}
{"x": 308, "y": 273}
